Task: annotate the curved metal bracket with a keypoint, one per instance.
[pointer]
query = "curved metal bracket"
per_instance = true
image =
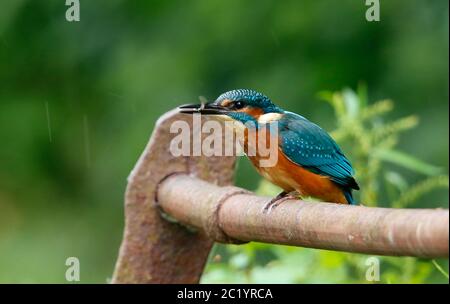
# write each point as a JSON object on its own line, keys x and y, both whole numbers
{"x": 154, "y": 250}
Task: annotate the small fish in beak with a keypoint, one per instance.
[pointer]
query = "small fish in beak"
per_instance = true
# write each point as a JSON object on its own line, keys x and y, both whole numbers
{"x": 209, "y": 108}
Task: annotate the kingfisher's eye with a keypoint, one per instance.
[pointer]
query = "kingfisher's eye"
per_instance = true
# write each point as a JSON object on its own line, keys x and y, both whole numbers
{"x": 238, "y": 105}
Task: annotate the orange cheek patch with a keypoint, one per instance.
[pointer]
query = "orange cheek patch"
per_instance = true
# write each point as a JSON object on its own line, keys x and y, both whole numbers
{"x": 254, "y": 112}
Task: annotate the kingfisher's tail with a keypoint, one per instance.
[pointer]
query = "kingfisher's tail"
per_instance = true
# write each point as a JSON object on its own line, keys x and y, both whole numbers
{"x": 349, "y": 196}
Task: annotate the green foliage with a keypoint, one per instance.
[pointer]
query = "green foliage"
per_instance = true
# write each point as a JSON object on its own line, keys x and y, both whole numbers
{"x": 373, "y": 140}
{"x": 362, "y": 126}
{"x": 441, "y": 270}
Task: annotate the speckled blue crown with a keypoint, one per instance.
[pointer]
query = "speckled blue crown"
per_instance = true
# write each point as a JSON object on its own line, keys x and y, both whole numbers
{"x": 244, "y": 94}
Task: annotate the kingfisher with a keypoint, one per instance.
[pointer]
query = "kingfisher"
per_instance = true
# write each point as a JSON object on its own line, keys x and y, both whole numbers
{"x": 310, "y": 163}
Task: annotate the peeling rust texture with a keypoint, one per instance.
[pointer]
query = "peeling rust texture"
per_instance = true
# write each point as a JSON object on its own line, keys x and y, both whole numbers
{"x": 154, "y": 250}
{"x": 380, "y": 231}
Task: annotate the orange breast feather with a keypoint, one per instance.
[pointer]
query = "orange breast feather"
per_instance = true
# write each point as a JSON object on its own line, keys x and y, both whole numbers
{"x": 290, "y": 176}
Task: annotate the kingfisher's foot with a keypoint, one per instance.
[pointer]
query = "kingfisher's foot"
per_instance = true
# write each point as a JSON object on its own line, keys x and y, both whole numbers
{"x": 277, "y": 200}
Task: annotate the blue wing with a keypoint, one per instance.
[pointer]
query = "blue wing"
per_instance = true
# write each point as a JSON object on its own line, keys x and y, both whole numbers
{"x": 309, "y": 146}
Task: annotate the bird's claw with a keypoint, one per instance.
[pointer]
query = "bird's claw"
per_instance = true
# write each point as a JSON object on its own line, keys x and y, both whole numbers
{"x": 270, "y": 205}
{"x": 276, "y": 201}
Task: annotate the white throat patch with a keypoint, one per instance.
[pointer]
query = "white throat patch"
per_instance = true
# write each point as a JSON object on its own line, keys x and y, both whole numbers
{"x": 266, "y": 118}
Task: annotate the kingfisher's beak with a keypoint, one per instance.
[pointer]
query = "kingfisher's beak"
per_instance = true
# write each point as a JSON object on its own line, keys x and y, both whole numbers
{"x": 204, "y": 108}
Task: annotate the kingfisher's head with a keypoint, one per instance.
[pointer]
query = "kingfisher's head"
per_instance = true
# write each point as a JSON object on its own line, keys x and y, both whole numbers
{"x": 242, "y": 105}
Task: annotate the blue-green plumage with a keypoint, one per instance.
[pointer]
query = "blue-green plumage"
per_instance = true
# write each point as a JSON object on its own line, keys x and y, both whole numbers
{"x": 309, "y": 146}
{"x": 251, "y": 98}
{"x": 303, "y": 143}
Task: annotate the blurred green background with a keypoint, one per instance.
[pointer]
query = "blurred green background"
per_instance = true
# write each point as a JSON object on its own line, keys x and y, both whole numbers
{"x": 78, "y": 102}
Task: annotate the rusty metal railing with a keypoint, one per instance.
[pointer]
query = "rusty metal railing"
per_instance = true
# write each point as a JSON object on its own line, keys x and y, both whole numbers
{"x": 176, "y": 207}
